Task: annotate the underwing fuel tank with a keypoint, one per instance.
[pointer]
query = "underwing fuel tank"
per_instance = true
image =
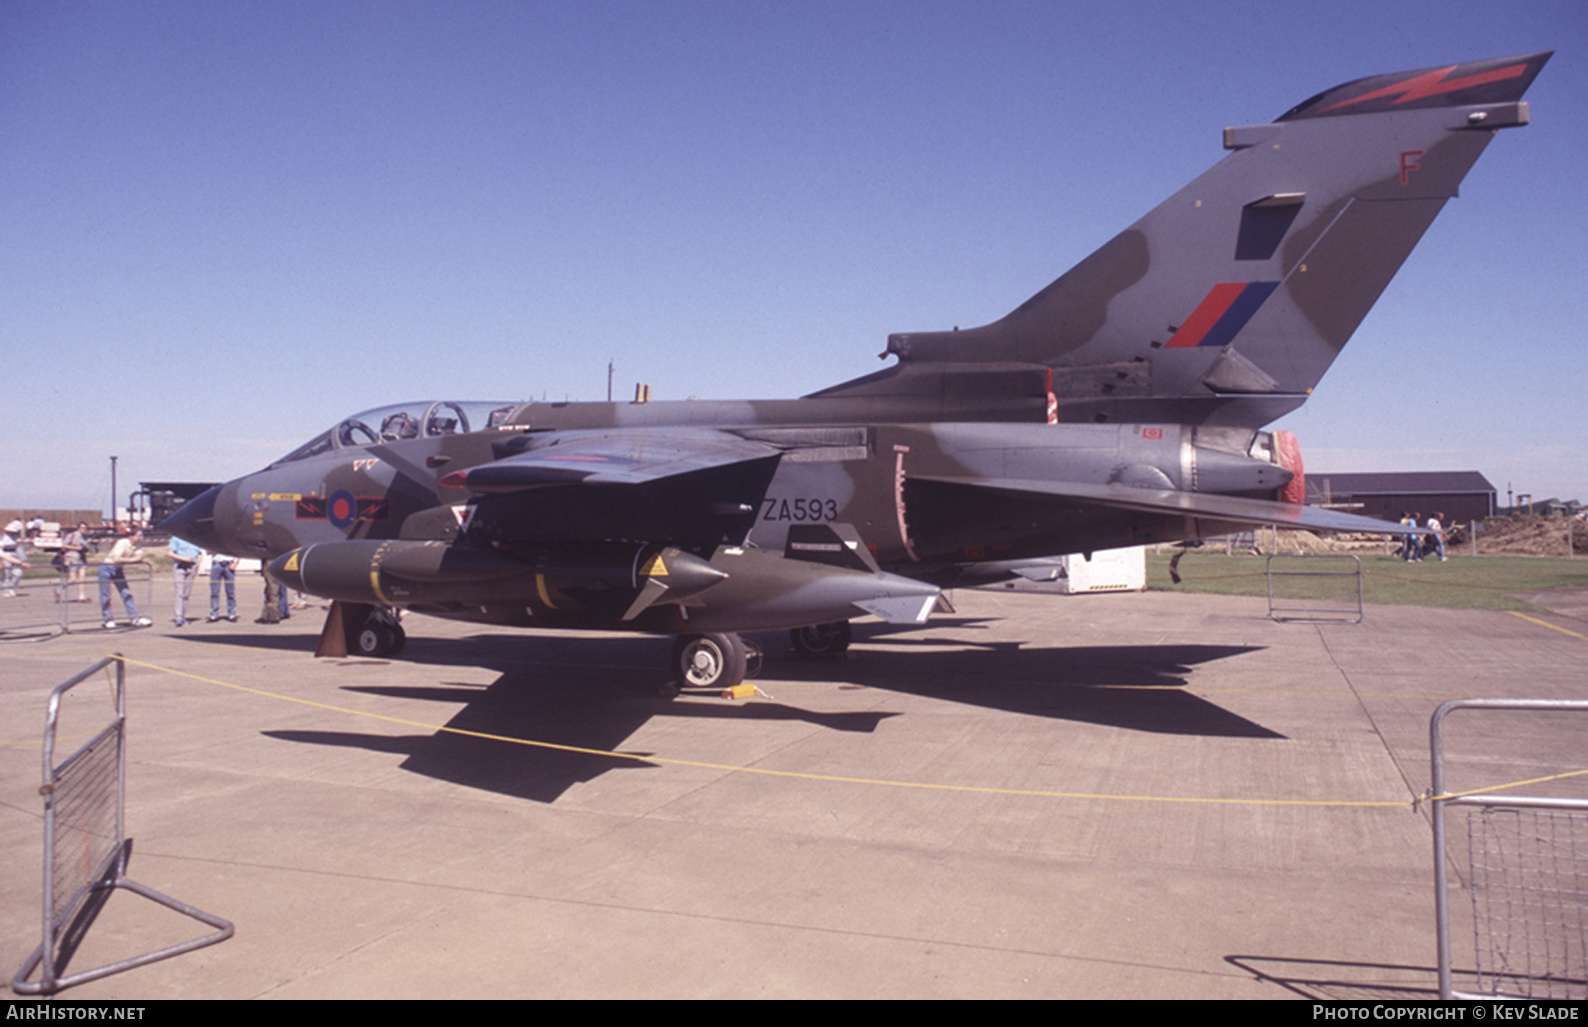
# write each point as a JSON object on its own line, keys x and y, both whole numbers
{"x": 594, "y": 584}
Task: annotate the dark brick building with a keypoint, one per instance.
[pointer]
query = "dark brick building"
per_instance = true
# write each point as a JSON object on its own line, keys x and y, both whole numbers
{"x": 1462, "y": 495}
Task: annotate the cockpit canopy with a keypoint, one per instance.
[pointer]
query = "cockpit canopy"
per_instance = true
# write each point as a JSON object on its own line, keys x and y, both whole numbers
{"x": 425, "y": 419}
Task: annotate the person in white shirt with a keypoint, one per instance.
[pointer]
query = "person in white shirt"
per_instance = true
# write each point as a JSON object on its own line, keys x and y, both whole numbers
{"x": 123, "y": 553}
{"x": 1436, "y": 525}
{"x": 13, "y": 560}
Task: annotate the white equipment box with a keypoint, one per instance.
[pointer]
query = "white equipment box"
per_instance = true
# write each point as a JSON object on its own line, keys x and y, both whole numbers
{"x": 1109, "y": 570}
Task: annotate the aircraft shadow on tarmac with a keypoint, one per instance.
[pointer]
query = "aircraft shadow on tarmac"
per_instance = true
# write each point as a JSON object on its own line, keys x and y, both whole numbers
{"x": 594, "y": 693}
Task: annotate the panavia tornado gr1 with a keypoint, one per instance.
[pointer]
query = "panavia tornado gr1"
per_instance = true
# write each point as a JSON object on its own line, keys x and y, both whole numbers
{"x": 1123, "y": 404}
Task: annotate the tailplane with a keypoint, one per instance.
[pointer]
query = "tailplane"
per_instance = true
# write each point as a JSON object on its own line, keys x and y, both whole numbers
{"x": 1227, "y": 303}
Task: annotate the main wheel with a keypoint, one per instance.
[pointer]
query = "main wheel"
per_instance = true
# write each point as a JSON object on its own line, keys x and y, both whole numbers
{"x": 376, "y": 638}
{"x": 709, "y": 661}
{"x": 381, "y": 635}
{"x": 822, "y": 639}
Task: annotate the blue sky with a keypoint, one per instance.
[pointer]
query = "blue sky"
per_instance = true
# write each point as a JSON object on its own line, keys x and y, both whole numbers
{"x": 224, "y": 225}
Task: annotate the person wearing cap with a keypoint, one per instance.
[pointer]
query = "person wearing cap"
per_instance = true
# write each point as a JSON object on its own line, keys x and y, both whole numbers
{"x": 13, "y": 560}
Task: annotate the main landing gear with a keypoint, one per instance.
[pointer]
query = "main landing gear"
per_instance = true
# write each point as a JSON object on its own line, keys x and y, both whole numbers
{"x": 380, "y": 634}
{"x": 718, "y": 661}
{"x": 715, "y": 661}
{"x": 822, "y": 639}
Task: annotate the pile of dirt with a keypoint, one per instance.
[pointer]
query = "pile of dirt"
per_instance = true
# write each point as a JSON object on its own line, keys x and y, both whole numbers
{"x": 1524, "y": 536}
{"x": 1304, "y": 542}
{"x": 1503, "y": 536}
{"x": 1288, "y": 542}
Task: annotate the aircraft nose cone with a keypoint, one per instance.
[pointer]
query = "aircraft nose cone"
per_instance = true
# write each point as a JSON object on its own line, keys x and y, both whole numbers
{"x": 195, "y": 521}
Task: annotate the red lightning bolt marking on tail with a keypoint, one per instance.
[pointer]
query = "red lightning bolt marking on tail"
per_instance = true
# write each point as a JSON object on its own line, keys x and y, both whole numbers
{"x": 1434, "y": 83}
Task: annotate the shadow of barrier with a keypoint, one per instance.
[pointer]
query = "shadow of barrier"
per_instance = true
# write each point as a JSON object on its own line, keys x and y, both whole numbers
{"x": 86, "y": 848}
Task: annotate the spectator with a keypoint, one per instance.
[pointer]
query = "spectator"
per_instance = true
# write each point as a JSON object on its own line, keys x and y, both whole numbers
{"x": 184, "y": 571}
{"x": 223, "y": 571}
{"x": 13, "y": 560}
{"x": 1436, "y": 537}
{"x": 275, "y": 609}
{"x": 112, "y": 571}
{"x": 74, "y": 554}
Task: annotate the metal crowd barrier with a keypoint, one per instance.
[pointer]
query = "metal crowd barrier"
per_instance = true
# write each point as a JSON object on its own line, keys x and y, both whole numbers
{"x": 47, "y": 606}
{"x": 1317, "y": 603}
{"x": 34, "y": 612}
{"x": 1528, "y": 865}
{"x": 86, "y": 846}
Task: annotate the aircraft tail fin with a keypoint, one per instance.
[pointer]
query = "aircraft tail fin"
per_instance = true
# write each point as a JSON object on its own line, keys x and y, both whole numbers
{"x": 1228, "y": 302}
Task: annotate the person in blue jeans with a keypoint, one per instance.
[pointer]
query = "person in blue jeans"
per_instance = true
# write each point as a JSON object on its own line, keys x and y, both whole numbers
{"x": 1436, "y": 524}
{"x": 1411, "y": 545}
{"x": 223, "y": 571}
{"x": 111, "y": 572}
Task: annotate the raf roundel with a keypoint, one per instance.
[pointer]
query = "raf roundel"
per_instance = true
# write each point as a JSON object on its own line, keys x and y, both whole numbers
{"x": 341, "y": 509}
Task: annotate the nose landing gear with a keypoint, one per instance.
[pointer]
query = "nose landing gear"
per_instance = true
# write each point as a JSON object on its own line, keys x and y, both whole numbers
{"x": 381, "y": 635}
{"x": 361, "y": 629}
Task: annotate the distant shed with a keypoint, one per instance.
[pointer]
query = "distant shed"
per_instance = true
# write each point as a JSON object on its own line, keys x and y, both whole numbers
{"x": 156, "y": 500}
{"x": 1461, "y": 495}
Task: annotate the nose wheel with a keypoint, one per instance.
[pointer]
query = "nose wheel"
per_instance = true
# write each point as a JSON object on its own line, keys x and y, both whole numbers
{"x": 360, "y": 629}
{"x": 381, "y": 637}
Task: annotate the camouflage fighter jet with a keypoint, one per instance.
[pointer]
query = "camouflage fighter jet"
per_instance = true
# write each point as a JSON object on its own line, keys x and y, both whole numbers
{"x": 1121, "y": 405}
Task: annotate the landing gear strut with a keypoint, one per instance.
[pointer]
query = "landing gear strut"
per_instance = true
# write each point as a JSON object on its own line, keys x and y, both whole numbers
{"x": 822, "y": 639}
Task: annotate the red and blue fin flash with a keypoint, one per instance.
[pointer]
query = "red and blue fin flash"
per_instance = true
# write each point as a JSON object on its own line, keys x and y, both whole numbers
{"x": 1222, "y": 313}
